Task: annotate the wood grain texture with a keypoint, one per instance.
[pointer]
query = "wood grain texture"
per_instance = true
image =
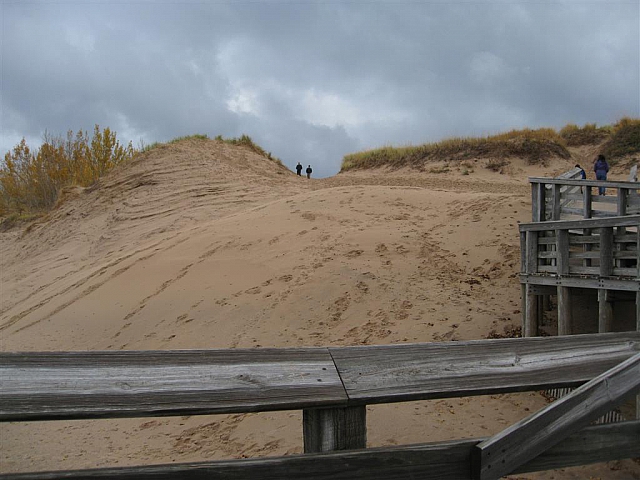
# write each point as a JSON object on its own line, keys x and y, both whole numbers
{"x": 579, "y": 183}
{"x": 395, "y": 373}
{"x": 626, "y": 221}
{"x": 525, "y": 440}
{"x": 578, "y": 281}
{"x": 443, "y": 461}
{"x": 69, "y": 385}
{"x": 332, "y": 429}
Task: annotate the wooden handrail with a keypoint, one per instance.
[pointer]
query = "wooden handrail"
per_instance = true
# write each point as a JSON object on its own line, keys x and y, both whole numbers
{"x": 76, "y": 385}
{"x": 618, "y": 221}
{"x": 588, "y": 183}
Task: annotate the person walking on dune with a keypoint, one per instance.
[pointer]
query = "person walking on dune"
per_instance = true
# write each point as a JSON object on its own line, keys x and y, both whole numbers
{"x": 299, "y": 169}
{"x": 308, "y": 170}
{"x": 601, "y": 167}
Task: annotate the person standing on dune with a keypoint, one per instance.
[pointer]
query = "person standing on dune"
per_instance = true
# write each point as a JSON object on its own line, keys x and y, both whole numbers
{"x": 299, "y": 169}
{"x": 601, "y": 167}
{"x": 308, "y": 170}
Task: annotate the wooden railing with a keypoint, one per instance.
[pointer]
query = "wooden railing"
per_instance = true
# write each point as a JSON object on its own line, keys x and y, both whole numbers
{"x": 559, "y": 198}
{"x": 602, "y": 247}
{"x": 333, "y": 386}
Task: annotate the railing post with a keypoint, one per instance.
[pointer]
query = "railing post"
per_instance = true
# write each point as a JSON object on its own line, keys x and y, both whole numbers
{"x": 331, "y": 429}
{"x": 531, "y": 314}
{"x": 605, "y": 311}
{"x": 537, "y": 201}
{"x": 586, "y": 194}
{"x": 606, "y": 251}
{"x": 555, "y": 213}
{"x": 532, "y": 252}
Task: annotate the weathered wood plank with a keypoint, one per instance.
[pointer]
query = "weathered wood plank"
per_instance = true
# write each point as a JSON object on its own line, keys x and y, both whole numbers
{"x": 610, "y": 283}
{"x": 564, "y": 311}
{"x": 605, "y": 312}
{"x": 595, "y": 214}
{"x": 562, "y": 251}
{"x": 332, "y": 429}
{"x": 133, "y": 384}
{"x": 625, "y": 272}
{"x": 532, "y": 252}
{"x": 431, "y": 461}
{"x": 555, "y": 203}
{"x": 531, "y": 314}
{"x": 396, "y": 373}
{"x": 580, "y": 183}
{"x": 606, "y": 251}
{"x": 626, "y": 221}
{"x": 528, "y": 438}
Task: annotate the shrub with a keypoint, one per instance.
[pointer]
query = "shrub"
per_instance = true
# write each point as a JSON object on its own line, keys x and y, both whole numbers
{"x": 30, "y": 181}
{"x": 625, "y": 139}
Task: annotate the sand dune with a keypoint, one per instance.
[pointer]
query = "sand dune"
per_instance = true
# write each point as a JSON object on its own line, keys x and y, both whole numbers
{"x": 204, "y": 245}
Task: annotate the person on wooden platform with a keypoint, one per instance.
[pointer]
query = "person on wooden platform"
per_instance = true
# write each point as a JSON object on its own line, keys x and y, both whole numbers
{"x": 601, "y": 167}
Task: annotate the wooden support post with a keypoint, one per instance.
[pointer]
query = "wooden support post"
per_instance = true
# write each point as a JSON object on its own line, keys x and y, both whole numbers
{"x": 523, "y": 307}
{"x": 606, "y": 251}
{"x": 532, "y": 252}
{"x": 622, "y": 201}
{"x": 537, "y": 202}
{"x": 562, "y": 251}
{"x": 555, "y": 212}
{"x": 564, "y": 311}
{"x": 605, "y": 311}
{"x": 330, "y": 429}
{"x": 586, "y": 198}
{"x": 546, "y": 303}
{"x": 531, "y": 316}
{"x": 525, "y": 440}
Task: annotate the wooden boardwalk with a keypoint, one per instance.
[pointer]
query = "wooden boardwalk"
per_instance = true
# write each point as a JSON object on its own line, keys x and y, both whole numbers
{"x": 333, "y": 386}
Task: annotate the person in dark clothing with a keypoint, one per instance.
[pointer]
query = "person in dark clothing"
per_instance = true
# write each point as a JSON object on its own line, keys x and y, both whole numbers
{"x": 299, "y": 169}
{"x": 601, "y": 167}
{"x": 308, "y": 170}
{"x": 583, "y": 174}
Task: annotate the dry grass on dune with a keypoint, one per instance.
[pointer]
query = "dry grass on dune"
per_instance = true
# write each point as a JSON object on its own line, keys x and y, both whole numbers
{"x": 535, "y": 146}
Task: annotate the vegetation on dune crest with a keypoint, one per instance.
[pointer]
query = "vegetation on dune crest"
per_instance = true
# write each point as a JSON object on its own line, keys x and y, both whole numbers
{"x": 245, "y": 141}
{"x": 589, "y": 134}
{"x": 30, "y": 181}
{"x": 622, "y": 138}
{"x": 534, "y": 145}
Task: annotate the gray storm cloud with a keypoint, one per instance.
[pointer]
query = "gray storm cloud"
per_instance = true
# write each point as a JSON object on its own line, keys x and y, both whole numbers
{"x": 313, "y": 81}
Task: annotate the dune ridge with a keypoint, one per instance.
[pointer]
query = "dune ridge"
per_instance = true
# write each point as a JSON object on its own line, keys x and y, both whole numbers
{"x": 201, "y": 244}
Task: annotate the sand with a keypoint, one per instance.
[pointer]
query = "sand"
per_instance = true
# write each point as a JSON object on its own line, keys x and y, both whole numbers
{"x": 205, "y": 245}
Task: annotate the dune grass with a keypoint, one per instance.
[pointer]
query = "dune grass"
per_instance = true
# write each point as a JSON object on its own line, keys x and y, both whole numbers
{"x": 589, "y": 134}
{"x": 533, "y": 145}
{"x": 624, "y": 140}
{"x": 246, "y": 141}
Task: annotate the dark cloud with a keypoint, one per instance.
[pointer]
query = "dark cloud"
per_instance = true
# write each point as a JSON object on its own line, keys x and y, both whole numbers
{"x": 313, "y": 81}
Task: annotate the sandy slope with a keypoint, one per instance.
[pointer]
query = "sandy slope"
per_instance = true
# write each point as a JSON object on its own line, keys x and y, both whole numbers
{"x": 202, "y": 245}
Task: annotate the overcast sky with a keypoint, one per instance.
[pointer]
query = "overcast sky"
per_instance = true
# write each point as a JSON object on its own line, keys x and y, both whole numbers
{"x": 311, "y": 81}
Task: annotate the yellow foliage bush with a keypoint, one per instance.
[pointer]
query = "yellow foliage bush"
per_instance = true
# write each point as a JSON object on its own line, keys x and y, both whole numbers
{"x": 31, "y": 181}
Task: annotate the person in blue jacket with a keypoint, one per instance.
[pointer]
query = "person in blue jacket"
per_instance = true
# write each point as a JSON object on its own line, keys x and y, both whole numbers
{"x": 601, "y": 167}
